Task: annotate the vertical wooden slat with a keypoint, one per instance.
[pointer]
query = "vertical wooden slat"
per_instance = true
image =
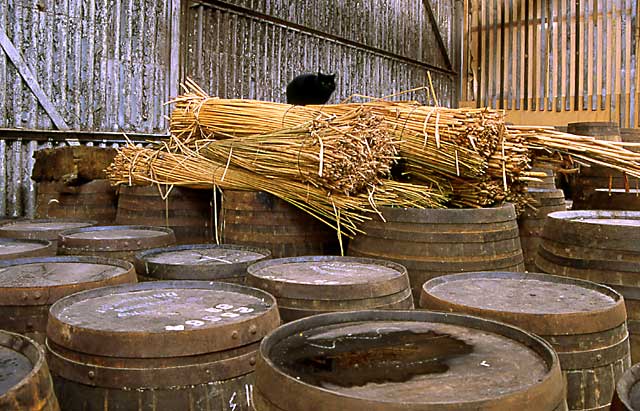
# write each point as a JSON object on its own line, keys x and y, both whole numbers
{"x": 486, "y": 54}
{"x": 635, "y": 94}
{"x": 598, "y": 54}
{"x": 520, "y": 61}
{"x": 627, "y": 65}
{"x": 526, "y": 73}
{"x": 589, "y": 20}
{"x": 492, "y": 52}
{"x": 503, "y": 52}
{"x": 557, "y": 59}
{"x": 534, "y": 50}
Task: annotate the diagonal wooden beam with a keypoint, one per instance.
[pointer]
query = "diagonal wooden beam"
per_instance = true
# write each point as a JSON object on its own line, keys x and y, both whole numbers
{"x": 29, "y": 78}
{"x": 436, "y": 29}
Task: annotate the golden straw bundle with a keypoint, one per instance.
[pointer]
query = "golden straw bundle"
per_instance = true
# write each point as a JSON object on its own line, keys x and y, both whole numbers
{"x": 344, "y": 154}
{"x": 138, "y": 166}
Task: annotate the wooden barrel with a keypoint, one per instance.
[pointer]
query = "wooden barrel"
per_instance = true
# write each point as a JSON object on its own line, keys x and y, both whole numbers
{"x": 224, "y": 262}
{"x": 627, "y": 395}
{"x": 599, "y": 246}
{"x": 41, "y": 229}
{"x": 175, "y": 345}
{"x": 310, "y": 285}
{"x": 116, "y": 241}
{"x": 96, "y": 200}
{"x": 584, "y": 322}
{"x": 28, "y": 287}
{"x": 188, "y": 212}
{"x": 430, "y": 243}
{"x": 405, "y": 360}
{"x": 631, "y": 135}
{"x": 25, "y": 382}
{"x": 259, "y": 219}
{"x": 531, "y": 221}
{"x": 19, "y": 248}
{"x": 611, "y": 199}
{"x": 547, "y": 182}
{"x": 581, "y": 185}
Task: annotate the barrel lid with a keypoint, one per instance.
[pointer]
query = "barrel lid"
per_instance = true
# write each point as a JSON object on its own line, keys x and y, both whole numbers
{"x": 606, "y": 229}
{"x": 328, "y": 277}
{"x": 14, "y": 367}
{"x": 13, "y": 246}
{"x": 21, "y": 359}
{"x": 409, "y": 360}
{"x": 43, "y": 229}
{"x": 44, "y": 280}
{"x": 628, "y": 390}
{"x": 505, "y": 212}
{"x": 162, "y": 319}
{"x": 541, "y": 303}
{"x": 197, "y": 261}
{"x": 116, "y": 237}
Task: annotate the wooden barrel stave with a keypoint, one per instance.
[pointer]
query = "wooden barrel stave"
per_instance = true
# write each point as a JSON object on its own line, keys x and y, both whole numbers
{"x": 583, "y": 321}
{"x": 206, "y": 365}
{"x": 29, "y": 286}
{"x": 34, "y": 391}
{"x": 430, "y": 243}
{"x": 95, "y": 200}
{"x": 309, "y": 285}
{"x": 606, "y": 253}
{"x": 277, "y": 389}
{"x": 225, "y": 262}
{"x": 259, "y": 219}
{"x": 188, "y": 212}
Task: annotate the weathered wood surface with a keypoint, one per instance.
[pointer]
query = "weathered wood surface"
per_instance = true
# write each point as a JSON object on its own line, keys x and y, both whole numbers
{"x": 599, "y": 246}
{"x": 28, "y": 287}
{"x": 96, "y": 200}
{"x": 430, "y": 243}
{"x": 531, "y": 222}
{"x": 172, "y": 345}
{"x": 188, "y": 212}
{"x": 212, "y": 262}
{"x": 583, "y": 321}
{"x": 26, "y": 383}
{"x": 259, "y": 219}
{"x": 310, "y": 285}
{"x": 116, "y": 241}
{"x": 368, "y": 360}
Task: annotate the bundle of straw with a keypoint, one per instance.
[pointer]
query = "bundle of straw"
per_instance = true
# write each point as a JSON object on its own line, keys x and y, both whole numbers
{"x": 560, "y": 150}
{"x": 139, "y": 166}
{"x": 343, "y": 154}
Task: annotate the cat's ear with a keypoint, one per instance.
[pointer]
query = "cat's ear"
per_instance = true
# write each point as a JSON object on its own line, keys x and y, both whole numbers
{"x": 333, "y": 76}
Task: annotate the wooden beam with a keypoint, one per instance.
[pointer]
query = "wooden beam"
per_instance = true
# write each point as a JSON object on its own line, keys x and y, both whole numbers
{"x": 31, "y": 81}
{"x": 436, "y": 30}
{"x": 175, "y": 52}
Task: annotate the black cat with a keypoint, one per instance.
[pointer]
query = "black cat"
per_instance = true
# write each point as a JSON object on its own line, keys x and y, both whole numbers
{"x": 311, "y": 89}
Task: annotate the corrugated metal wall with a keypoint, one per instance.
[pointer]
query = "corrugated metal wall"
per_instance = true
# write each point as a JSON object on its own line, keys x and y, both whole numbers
{"x": 253, "y": 48}
{"x": 103, "y": 64}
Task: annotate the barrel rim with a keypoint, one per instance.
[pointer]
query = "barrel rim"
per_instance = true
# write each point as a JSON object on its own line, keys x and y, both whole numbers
{"x": 30, "y": 295}
{"x": 38, "y": 365}
{"x": 144, "y": 255}
{"x": 66, "y": 242}
{"x": 144, "y": 344}
{"x": 552, "y": 382}
{"x": 504, "y": 212}
{"x": 625, "y": 384}
{"x": 292, "y": 290}
{"x": 577, "y": 322}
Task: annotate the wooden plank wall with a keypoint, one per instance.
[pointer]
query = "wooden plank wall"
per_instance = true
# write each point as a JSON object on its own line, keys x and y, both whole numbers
{"x": 553, "y": 61}
{"x": 253, "y": 48}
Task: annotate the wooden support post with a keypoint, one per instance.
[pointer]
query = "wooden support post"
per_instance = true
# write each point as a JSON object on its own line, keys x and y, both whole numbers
{"x": 31, "y": 81}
